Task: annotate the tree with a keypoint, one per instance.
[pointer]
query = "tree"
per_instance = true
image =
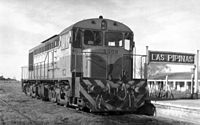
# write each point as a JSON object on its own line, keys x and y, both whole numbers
{"x": 2, "y": 78}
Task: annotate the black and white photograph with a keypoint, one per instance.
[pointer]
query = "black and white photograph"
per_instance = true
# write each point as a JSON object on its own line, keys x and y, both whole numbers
{"x": 108, "y": 62}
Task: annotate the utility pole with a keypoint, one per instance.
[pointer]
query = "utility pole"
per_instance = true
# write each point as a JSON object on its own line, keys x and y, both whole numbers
{"x": 146, "y": 64}
{"x": 134, "y": 62}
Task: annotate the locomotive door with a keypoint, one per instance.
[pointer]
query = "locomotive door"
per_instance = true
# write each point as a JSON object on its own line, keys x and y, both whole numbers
{"x": 50, "y": 69}
{"x": 76, "y": 61}
{"x": 76, "y": 65}
{"x": 76, "y": 54}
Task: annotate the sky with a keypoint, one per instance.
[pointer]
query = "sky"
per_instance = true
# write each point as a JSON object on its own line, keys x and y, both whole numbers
{"x": 163, "y": 25}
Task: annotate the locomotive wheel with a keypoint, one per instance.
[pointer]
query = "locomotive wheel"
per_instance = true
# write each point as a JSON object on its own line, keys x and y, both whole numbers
{"x": 57, "y": 99}
{"x": 147, "y": 109}
{"x": 23, "y": 87}
{"x": 52, "y": 96}
{"x": 39, "y": 91}
{"x": 28, "y": 90}
{"x": 45, "y": 94}
{"x": 33, "y": 92}
{"x": 25, "y": 91}
{"x": 86, "y": 109}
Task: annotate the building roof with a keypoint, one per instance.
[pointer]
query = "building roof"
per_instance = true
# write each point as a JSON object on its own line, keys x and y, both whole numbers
{"x": 174, "y": 76}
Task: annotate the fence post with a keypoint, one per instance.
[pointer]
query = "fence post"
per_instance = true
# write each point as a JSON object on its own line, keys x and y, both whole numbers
{"x": 21, "y": 73}
{"x": 134, "y": 62}
{"x": 192, "y": 85}
{"x": 166, "y": 85}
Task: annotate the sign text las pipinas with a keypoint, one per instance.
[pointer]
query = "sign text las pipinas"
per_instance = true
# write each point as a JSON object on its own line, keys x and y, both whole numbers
{"x": 171, "y": 57}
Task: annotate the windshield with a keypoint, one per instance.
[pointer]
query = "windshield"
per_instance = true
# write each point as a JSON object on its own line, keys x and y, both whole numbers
{"x": 95, "y": 38}
{"x": 92, "y": 37}
{"x": 114, "y": 39}
{"x": 119, "y": 39}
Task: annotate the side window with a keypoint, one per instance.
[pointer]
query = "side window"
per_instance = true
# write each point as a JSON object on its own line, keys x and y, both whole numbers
{"x": 127, "y": 44}
{"x": 127, "y": 41}
{"x": 65, "y": 38}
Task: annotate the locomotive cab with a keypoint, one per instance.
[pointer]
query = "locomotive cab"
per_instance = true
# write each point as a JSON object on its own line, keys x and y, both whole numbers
{"x": 102, "y": 52}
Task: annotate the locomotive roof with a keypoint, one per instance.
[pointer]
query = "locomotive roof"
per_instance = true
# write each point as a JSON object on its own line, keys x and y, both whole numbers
{"x": 43, "y": 43}
{"x": 50, "y": 39}
{"x": 95, "y": 23}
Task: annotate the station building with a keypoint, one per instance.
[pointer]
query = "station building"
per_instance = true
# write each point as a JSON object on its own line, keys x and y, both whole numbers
{"x": 178, "y": 82}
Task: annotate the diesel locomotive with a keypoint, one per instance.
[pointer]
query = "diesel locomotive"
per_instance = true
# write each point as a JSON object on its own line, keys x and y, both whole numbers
{"x": 89, "y": 66}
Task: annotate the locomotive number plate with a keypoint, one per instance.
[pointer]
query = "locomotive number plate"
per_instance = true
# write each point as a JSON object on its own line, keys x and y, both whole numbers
{"x": 110, "y": 51}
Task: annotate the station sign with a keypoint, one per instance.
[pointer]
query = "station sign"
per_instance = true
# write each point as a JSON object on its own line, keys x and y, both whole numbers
{"x": 171, "y": 57}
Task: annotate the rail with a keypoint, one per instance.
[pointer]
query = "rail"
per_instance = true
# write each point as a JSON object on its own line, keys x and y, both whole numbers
{"x": 17, "y": 111}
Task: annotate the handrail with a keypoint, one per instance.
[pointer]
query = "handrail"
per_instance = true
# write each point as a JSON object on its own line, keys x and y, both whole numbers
{"x": 40, "y": 69}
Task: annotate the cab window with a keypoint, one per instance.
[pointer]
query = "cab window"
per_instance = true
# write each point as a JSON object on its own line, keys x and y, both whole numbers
{"x": 114, "y": 39}
{"x": 92, "y": 37}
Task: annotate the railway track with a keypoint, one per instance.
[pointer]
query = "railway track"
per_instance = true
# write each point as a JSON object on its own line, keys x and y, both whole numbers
{"x": 32, "y": 122}
{"x": 90, "y": 118}
{"x": 117, "y": 118}
{"x": 180, "y": 113}
{"x": 47, "y": 113}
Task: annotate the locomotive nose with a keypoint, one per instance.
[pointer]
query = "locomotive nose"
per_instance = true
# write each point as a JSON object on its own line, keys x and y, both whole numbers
{"x": 106, "y": 63}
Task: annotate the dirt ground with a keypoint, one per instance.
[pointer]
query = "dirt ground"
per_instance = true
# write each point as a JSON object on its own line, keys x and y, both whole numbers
{"x": 18, "y": 109}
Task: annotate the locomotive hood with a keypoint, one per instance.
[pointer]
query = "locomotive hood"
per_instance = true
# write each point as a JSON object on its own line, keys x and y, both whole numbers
{"x": 107, "y": 62}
